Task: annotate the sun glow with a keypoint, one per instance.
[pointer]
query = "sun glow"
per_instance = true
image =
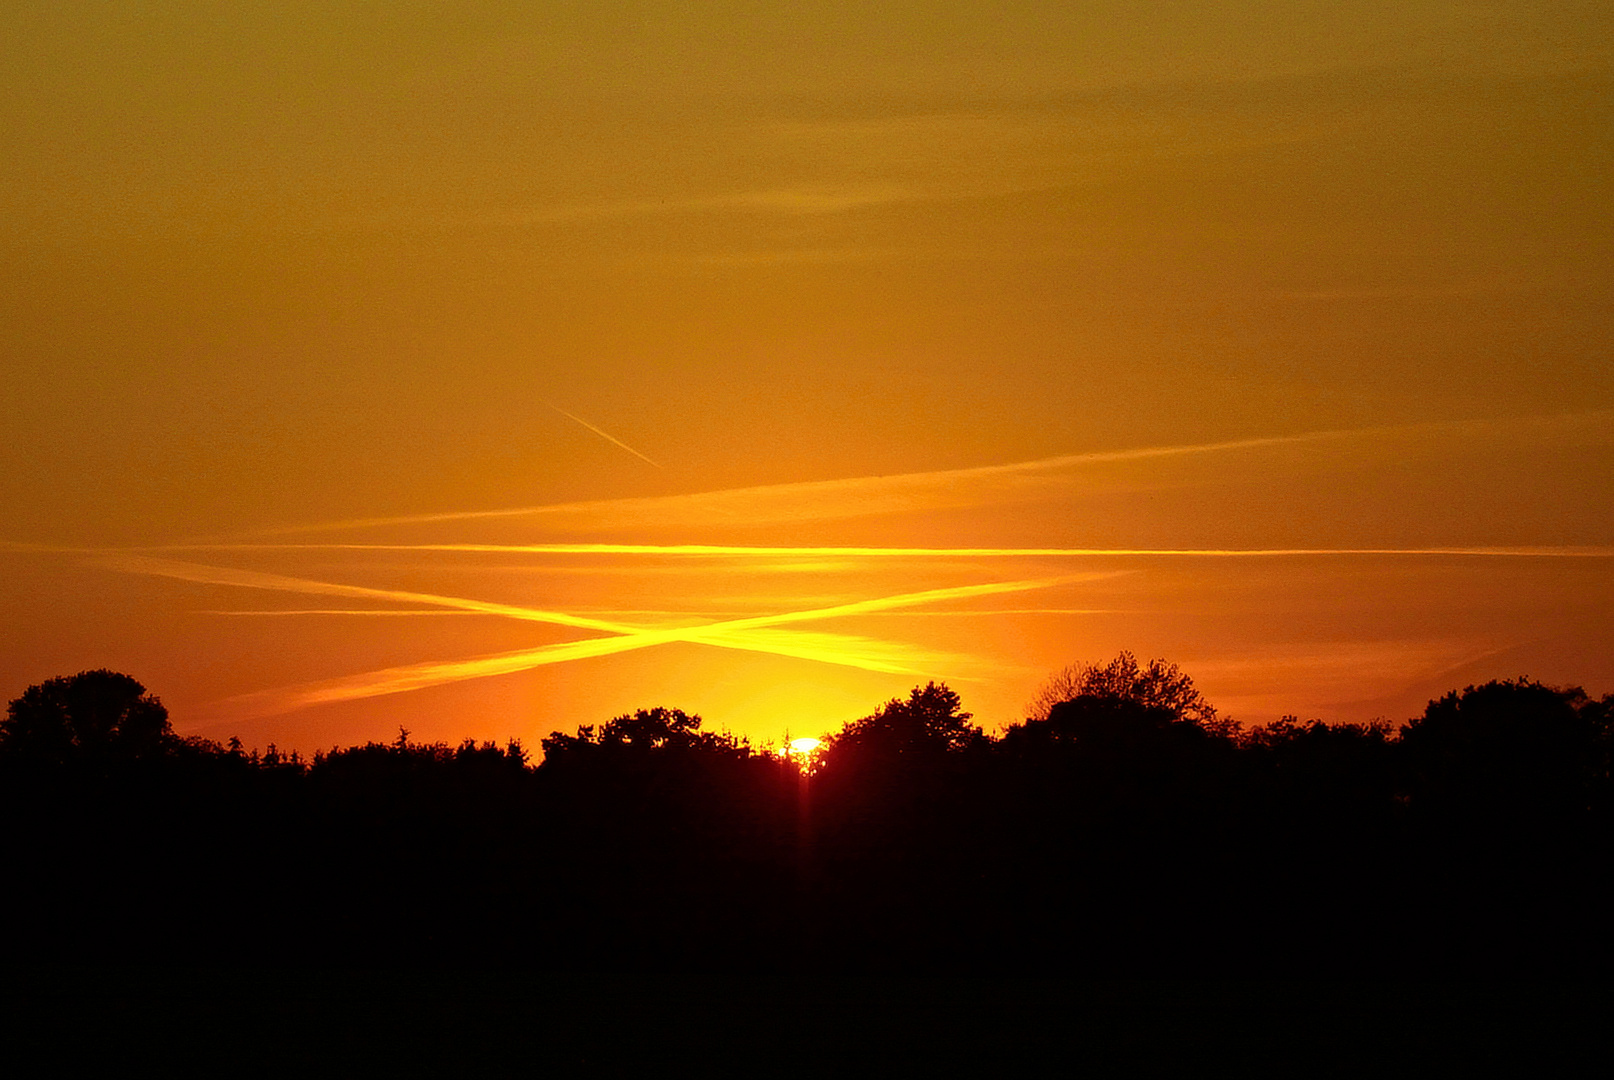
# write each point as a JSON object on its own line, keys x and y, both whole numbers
{"x": 804, "y": 752}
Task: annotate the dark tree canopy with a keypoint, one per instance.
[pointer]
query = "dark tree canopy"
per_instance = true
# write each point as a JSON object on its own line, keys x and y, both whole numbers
{"x": 1120, "y": 711}
{"x": 643, "y": 730}
{"x": 1513, "y": 746}
{"x": 403, "y": 762}
{"x": 1159, "y": 685}
{"x": 1097, "y": 722}
{"x": 89, "y": 716}
{"x": 930, "y": 720}
{"x": 1127, "y": 830}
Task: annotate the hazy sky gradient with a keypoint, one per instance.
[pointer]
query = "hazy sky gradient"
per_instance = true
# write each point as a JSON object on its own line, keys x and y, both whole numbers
{"x": 916, "y": 275}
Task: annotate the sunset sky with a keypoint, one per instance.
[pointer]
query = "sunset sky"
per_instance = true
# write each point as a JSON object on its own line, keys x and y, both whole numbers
{"x": 487, "y": 368}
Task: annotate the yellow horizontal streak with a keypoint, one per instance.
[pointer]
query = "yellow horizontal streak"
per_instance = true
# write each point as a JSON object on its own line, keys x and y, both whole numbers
{"x": 758, "y": 551}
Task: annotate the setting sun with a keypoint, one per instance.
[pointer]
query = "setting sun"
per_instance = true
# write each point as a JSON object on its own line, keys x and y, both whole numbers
{"x": 804, "y": 753}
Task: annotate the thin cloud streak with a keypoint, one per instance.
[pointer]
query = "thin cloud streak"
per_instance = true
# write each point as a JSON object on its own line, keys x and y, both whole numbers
{"x": 745, "y": 551}
{"x": 875, "y": 494}
{"x": 983, "y": 612}
{"x": 334, "y": 611}
{"x": 606, "y": 435}
{"x": 671, "y": 616}
{"x": 872, "y": 495}
{"x": 799, "y": 200}
{"x": 253, "y": 579}
{"x": 407, "y": 677}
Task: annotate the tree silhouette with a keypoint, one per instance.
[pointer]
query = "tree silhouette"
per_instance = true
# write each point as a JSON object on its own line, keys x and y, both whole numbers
{"x": 1512, "y": 747}
{"x": 1160, "y": 685}
{"x": 643, "y": 730}
{"x": 1318, "y": 771}
{"x": 1120, "y": 712}
{"x": 1100, "y": 724}
{"x": 92, "y": 716}
{"x": 1121, "y": 832}
{"x": 931, "y": 720}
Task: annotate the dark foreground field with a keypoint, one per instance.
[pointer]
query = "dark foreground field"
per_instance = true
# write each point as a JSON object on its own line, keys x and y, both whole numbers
{"x": 306, "y": 1022}
{"x": 1124, "y": 884}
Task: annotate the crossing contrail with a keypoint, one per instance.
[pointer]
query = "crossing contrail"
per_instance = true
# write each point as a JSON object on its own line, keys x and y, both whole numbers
{"x": 408, "y": 677}
{"x": 751, "y": 633}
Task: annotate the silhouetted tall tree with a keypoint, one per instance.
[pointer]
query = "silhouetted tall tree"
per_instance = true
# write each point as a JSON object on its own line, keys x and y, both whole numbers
{"x": 1159, "y": 685}
{"x": 931, "y": 720}
{"x": 1512, "y": 747}
{"x": 92, "y": 716}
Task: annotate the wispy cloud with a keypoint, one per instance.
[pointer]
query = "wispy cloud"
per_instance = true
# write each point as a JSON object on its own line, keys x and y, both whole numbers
{"x": 800, "y": 199}
{"x": 815, "y": 499}
{"x": 1341, "y": 669}
{"x": 865, "y": 496}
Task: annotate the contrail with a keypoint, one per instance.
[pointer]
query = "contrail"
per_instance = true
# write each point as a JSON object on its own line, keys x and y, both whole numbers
{"x": 253, "y": 579}
{"x": 731, "y": 634}
{"x": 972, "y": 613}
{"x": 366, "y": 612}
{"x": 1540, "y": 551}
{"x": 865, "y": 495}
{"x": 606, "y": 435}
{"x": 870, "y": 494}
{"x": 407, "y": 677}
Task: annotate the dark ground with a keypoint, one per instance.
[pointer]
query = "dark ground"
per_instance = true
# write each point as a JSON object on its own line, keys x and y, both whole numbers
{"x": 307, "y": 1022}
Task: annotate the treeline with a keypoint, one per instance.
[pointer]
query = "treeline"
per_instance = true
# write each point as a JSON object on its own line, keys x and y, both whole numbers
{"x": 1123, "y": 829}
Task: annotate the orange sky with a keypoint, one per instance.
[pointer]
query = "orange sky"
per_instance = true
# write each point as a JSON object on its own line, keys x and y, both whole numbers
{"x": 335, "y": 333}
